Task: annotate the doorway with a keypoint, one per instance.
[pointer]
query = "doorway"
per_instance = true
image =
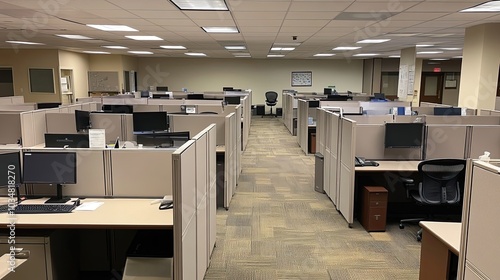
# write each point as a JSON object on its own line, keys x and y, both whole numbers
{"x": 431, "y": 88}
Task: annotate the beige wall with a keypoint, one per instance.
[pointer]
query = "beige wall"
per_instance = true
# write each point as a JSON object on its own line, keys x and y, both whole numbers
{"x": 21, "y": 61}
{"x": 260, "y": 75}
{"x": 79, "y": 64}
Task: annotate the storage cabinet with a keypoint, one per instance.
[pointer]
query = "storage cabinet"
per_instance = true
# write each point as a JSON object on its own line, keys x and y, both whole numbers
{"x": 374, "y": 208}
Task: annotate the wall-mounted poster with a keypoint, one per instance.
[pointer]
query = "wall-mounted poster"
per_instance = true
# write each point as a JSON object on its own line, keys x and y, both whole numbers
{"x": 302, "y": 79}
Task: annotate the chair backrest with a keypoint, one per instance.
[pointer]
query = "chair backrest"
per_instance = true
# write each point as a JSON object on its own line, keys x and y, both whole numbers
{"x": 442, "y": 180}
{"x": 271, "y": 96}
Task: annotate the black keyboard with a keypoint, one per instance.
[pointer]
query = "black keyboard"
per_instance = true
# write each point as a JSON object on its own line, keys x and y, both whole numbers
{"x": 44, "y": 208}
{"x": 4, "y": 208}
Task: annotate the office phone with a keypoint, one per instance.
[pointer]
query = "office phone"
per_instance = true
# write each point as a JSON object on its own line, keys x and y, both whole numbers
{"x": 360, "y": 161}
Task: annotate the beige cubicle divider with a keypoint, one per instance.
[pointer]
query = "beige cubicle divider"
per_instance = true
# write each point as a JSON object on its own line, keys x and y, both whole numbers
{"x": 423, "y": 110}
{"x": 112, "y": 123}
{"x": 287, "y": 99}
{"x": 370, "y": 144}
{"x": 90, "y": 174}
{"x": 185, "y": 208}
{"x": 463, "y": 120}
{"x": 147, "y": 108}
{"x": 231, "y": 164}
{"x": 18, "y": 107}
{"x": 141, "y": 172}
{"x": 430, "y": 104}
{"x": 302, "y": 124}
{"x": 331, "y": 169}
{"x": 479, "y": 246}
{"x": 8, "y": 100}
{"x": 366, "y": 119}
{"x": 196, "y": 123}
{"x": 484, "y": 138}
{"x": 346, "y": 181}
{"x": 165, "y": 101}
{"x": 10, "y": 127}
{"x": 60, "y": 122}
{"x": 445, "y": 141}
{"x": 409, "y": 119}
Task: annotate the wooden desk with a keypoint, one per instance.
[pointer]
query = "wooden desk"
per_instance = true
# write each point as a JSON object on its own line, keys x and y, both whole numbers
{"x": 439, "y": 250}
{"x": 391, "y": 166}
{"x": 114, "y": 213}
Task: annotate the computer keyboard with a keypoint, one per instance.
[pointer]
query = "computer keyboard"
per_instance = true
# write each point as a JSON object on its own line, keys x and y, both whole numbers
{"x": 4, "y": 208}
{"x": 44, "y": 208}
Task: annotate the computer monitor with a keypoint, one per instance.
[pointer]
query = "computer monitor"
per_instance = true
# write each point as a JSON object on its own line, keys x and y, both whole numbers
{"x": 162, "y": 95}
{"x": 327, "y": 91}
{"x": 163, "y": 139}
{"x": 333, "y": 97}
{"x": 120, "y": 109}
{"x": 379, "y": 96}
{"x": 66, "y": 140}
{"x": 447, "y": 111}
{"x": 404, "y": 135}
{"x": 82, "y": 120}
{"x": 234, "y": 100}
{"x": 48, "y": 105}
{"x": 227, "y": 88}
{"x": 149, "y": 121}
{"x": 197, "y": 96}
{"x": 10, "y": 165}
{"x": 50, "y": 168}
{"x": 313, "y": 103}
{"x": 161, "y": 88}
{"x": 144, "y": 94}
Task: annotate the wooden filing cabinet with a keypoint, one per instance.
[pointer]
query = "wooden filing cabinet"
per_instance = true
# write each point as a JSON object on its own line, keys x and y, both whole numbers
{"x": 374, "y": 208}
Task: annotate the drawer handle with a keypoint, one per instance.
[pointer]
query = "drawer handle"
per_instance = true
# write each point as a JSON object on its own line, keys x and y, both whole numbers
{"x": 376, "y": 217}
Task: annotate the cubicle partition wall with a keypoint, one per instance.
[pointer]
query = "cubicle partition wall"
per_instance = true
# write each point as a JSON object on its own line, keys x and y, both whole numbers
{"x": 346, "y": 181}
{"x": 9, "y": 100}
{"x": 446, "y": 141}
{"x": 484, "y": 138}
{"x": 289, "y": 109}
{"x": 18, "y": 107}
{"x": 302, "y": 124}
{"x": 10, "y": 126}
{"x": 463, "y": 120}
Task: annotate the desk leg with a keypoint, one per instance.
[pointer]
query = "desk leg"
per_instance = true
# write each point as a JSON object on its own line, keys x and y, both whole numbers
{"x": 434, "y": 258}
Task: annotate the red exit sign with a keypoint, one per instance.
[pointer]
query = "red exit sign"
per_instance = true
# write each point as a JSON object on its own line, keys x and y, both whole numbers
{"x": 437, "y": 69}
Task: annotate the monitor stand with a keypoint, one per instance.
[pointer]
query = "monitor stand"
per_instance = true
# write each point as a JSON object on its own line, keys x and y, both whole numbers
{"x": 58, "y": 198}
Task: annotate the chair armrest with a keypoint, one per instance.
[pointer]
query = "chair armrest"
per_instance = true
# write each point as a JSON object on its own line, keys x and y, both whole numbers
{"x": 409, "y": 185}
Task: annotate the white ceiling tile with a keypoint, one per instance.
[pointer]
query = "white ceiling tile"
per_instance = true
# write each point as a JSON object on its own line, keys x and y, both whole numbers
{"x": 258, "y": 6}
{"x": 259, "y": 15}
{"x": 416, "y": 16}
{"x": 151, "y": 14}
{"x": 112, "y": 14}
{"x": 253, "y": 23}
{"x": 446, "y": 6}
{"x": 316, "y": 15}
{"x": 381, "y": 6}
{"x": 319, "y": 6}
{"x": 140, "y": 5}
{"x": 311, "y": 23}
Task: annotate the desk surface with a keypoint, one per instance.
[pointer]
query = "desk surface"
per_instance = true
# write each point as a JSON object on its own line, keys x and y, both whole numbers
{"x": 389, "y": 165}
{"x": 114, "y": 213}
{"x": 446, "y": 232}
{"x": 220, "y": 149}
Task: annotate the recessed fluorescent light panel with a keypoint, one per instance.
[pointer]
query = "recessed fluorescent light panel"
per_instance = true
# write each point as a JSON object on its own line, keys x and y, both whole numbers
{"x": 145, "y": 38}
{"x": 112, "y": 27}
{"x": 423, "y": 46}
{"x": 115, "y": 47}
{"x": 287, "y": 44}
{"x": 76, "y": 37}
{"x": 140, "y": 52}
{"x": 221, "y": 29}
{"x": 282, "y": 49}
{"x": 235, "y": 48}
{"x": 275, "y": 55}
{"x": 324, "y": 54}
{"x": 492, "y": 6}
{"x": 195, "y": 54}
{"x": 173, "y": 47}
{"x": 394, "y": 56}
{"x": 204, "y": 5}
{"x": 440, "y": 59}
{"x": 451, "y": 49}
{"x": 430, "y": 52}
{"x": 96, "y": 52}
{"x": 366, "y": 54}
{"x": 373, "y": 41}
{"x": 345, "y": 48}
{"x": 24, "y": 43}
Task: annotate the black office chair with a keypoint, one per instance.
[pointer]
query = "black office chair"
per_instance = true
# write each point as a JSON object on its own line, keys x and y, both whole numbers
{"x": 271, "y": 100}
{"x": 441, "y": 184}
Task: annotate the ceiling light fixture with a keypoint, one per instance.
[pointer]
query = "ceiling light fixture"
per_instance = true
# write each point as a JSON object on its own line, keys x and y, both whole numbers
{"x": 173, "y": 47}
{"x": 235, "y": 48}
{"x": 105, "y": 27}
{"x": 76, "y": 37}
{"x": 145, "y": 38}
{"x": 451, "y": 49}
{"x": 221, "y": 29}
{"x": 287, "y": 44}
{"x": 203, "y": 5}
{"x": 423, "y": 46}
{"x": 195, "y": 54}
{"x": 492, "y": 6}
{"x": 115, "y": 47}
{"x": 430, "y": 52}
{"x": 395, "y": 56}
{"x": 373, "y": 41}
{"x": 140, "y": 52}
{"x": 366, "y": 54}
{"x": 96, "y": 52}
{"x": 345, "y": 48}
{"x": 324, "y": 54}
{"x": 282, "y": 49}
{"x": 23, "y": 43}
{"x": 275, "y": 55}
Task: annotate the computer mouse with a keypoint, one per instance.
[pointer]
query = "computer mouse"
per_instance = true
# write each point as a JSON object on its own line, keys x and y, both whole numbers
{"x": 166, "y": 205}
{"x": 22, "y": 255}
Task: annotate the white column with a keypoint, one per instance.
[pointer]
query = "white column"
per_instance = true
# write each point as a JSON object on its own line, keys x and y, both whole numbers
{"x": 407, "y": 74}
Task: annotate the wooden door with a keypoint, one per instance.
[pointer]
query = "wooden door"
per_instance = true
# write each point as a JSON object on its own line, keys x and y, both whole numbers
{"x": 431, "y": 89}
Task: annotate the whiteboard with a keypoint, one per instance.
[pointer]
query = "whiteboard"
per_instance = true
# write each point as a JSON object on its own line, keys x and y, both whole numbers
{"x": 103, "y": 81}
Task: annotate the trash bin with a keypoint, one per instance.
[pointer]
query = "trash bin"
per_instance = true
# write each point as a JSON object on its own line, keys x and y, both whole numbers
{"x": 294, "y": 130}
{"x": 318, "y": 173}
{"x": 279, "y": 112}
{"x": 261, "y": 110}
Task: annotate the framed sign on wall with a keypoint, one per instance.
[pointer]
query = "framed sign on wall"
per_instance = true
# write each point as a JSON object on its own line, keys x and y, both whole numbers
{"x": 301, "y": 78}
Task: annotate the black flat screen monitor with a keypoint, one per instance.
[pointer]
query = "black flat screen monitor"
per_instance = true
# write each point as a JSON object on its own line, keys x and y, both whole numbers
{"x": 150, "y": 121}
{"x": 161, "y": 88}
{"x": 197, "y": 96}
{"x": 50, "y": 168}
{"x": 120, "y": 109}
{"x": 234, "y": 100}
{"x": 313, "y": 103}
{"x": 403, "y": 135}
{"x": 48, "y": 105}
{"x": 144, "y": 94}
{"x": 66, "y": 140}
{"x": 333, "y": 97}
{"x": 10, "y": 165}
{"x": 327, "y": 91}
{"x": 447, "y": 111}
{"x": 82, "y": 120}
{"x": 380, "y": 96}
{"x": 227, "y": 88}
{"x": 163, "y": 139}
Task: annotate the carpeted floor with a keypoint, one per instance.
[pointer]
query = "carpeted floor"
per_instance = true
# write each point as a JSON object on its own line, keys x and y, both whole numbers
{"x": 278, "y": 227}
